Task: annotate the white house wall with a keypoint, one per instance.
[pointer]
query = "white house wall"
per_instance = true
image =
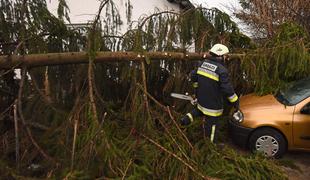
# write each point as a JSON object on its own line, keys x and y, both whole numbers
{"x": 142, "y": 8}
{"x": 82, "y": 11}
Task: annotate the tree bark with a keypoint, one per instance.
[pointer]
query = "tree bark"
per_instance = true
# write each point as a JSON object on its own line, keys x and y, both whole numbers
{"x": 50, "y": 59}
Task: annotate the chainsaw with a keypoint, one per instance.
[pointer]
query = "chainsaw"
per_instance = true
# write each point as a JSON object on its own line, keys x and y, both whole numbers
{"x": 184, "y": 97}
{"x": 238, "y": 115}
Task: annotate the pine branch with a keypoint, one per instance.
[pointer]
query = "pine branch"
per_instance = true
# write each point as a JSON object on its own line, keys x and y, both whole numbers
{"x": 179, "y": 129}
{"x": 17, "y": 149}
{"x": 92, "y": 50}
{"x": 177, "y": 157}
{"x": 156, "y": 14}
{"x": 20, "y": 112}
{"x": 145, "y": 89}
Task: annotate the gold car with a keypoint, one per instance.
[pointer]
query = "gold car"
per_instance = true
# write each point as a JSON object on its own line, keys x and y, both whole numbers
{"x": 273, "y": 124}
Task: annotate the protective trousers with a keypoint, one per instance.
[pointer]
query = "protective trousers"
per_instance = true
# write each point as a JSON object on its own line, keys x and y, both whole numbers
{"x": 209, "y": 126}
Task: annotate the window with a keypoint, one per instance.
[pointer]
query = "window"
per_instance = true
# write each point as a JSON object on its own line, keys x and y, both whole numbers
{"x": 305, "y": 109}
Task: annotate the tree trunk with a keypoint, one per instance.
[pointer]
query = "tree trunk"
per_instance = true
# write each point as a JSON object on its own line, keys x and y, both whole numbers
{"x": 49, "y": 59}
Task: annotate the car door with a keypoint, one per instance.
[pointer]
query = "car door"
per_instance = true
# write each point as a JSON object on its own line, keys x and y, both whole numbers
{"x": 301, "y": 124}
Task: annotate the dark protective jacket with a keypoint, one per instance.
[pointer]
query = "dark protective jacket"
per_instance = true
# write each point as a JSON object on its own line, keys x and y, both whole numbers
{"x": 212, "y": 83}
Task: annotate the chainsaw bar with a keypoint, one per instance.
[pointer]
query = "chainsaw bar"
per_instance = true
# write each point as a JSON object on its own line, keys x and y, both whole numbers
{"x": 182, "y": 96}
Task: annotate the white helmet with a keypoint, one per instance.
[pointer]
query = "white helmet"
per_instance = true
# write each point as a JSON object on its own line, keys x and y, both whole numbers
{"x": 219, "y": 49}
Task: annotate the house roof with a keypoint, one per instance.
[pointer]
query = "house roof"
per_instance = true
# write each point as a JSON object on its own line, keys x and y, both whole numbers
{"x": 184, "y": 4}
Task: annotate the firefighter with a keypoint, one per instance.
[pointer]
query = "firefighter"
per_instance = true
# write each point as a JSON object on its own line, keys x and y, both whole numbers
{"x": 212, "y": 84}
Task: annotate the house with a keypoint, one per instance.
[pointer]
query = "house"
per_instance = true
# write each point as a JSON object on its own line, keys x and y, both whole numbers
{"x": 82, "y": 11}
{"x": 184, "y": 4}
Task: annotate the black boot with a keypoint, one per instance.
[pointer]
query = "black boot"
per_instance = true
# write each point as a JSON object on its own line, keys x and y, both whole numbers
{"x": 185, "y": 121}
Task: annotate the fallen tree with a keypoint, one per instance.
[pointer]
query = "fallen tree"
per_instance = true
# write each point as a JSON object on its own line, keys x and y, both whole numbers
{"x": 49, "y": 59}
{"x": 116, "y": 117}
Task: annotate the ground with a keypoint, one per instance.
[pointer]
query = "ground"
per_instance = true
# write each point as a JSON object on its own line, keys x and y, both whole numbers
{"x": 295, "y": 164}
{"x": 300, "y": 167}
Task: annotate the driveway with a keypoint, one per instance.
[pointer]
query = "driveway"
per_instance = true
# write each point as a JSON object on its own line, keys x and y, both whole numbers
{"x": 295, "y": 164}
{"x": 302, "y": 162}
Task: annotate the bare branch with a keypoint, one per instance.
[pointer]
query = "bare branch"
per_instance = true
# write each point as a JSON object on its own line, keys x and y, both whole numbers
{"x": 20, "y": 112}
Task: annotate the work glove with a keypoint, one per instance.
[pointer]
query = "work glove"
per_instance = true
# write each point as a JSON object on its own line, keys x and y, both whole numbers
{"x": 194, "y": 101}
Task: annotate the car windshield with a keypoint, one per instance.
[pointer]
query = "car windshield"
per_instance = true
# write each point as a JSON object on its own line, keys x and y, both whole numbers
{"x": 294, "y": 93}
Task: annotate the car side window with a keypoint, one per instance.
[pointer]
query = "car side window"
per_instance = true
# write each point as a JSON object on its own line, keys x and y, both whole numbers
{"x": 305, "y": 109}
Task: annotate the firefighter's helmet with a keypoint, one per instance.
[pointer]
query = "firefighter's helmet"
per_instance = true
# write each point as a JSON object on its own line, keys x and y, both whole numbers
{"x": 219, "y": 49}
